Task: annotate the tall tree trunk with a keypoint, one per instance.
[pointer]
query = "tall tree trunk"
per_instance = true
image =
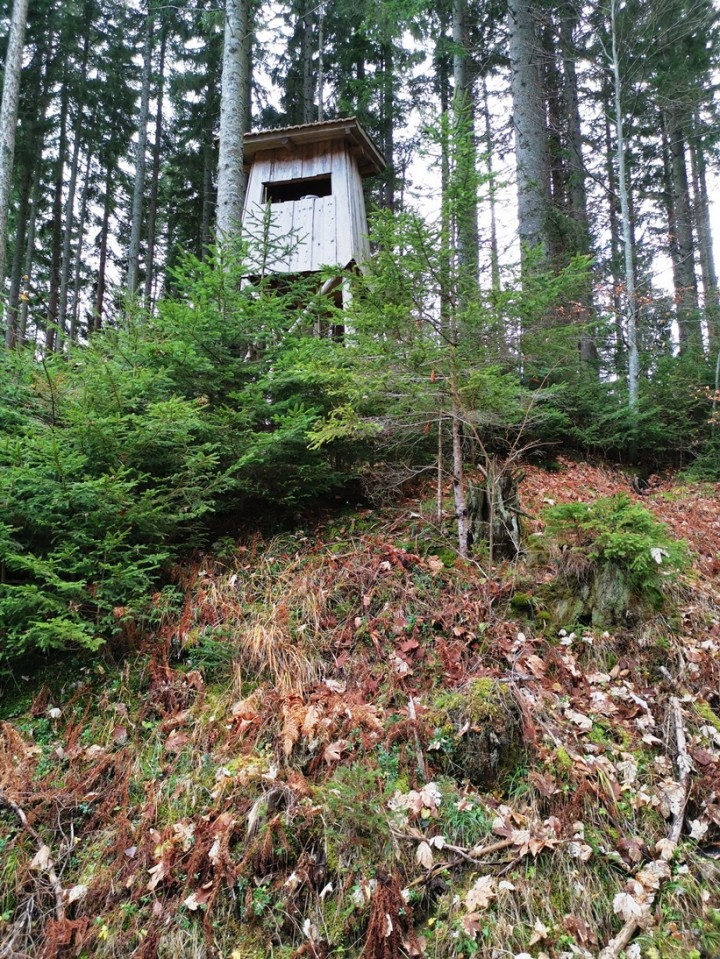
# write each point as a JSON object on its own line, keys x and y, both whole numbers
{"x": 8, "y": 118}
{"x": 489, "y": 147}
{"x": 57, "y": 224}
{"x": 628, "y": 242}
{"x": 77, "y": 269}
{"x": 208, "y": 197}
{"x": 306, "y": 54}
{"x": 669, "y": 204}
{"x": 686, "y": 292}
{"x": 23, "y": 213}
{"x": 140, "y": 158}
{"x": 155, "y": 173}
{"x": 29, "y": 258}
{"x": 614, "y": 224}
{"x": 27, "y": 209}
{"x": 321, "y": 61}
{"x": 711, "y": 298}
{"x": 576, "y": 173}
{"x": 531, "y": 136}
{"x": 466, "y": 157}
{"x": 102, "y": 265}
{"x": 388, "y": 123}
{"x": 233, "y": 117}
{"x": 69, "y": 215}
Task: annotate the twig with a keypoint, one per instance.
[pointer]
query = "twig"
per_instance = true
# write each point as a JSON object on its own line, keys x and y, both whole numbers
{"x": 421, "y": 764}
{"x": 49, "y": 868}
{"x": 473, "y": 855}
{"x": 684, "y": 766}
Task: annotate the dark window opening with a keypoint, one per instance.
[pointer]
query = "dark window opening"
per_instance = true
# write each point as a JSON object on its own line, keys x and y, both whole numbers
{"x": 289, "y": 191}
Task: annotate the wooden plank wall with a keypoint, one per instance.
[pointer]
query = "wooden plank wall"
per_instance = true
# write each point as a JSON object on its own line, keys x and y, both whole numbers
{"x": 305, "y": 235}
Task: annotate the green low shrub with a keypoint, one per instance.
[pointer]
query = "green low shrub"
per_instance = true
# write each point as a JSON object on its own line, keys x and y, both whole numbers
{"x": 615, "y": 534}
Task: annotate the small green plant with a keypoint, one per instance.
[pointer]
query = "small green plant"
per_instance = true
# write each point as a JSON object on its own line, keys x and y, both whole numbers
{"x": 615, "y": 532}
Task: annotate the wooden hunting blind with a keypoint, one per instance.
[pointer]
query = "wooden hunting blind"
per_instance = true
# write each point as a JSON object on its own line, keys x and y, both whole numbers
{"x": 305, "y": 196}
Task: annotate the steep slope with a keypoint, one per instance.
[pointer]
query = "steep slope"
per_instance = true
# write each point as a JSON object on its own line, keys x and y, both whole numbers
{"x": 344, "y": 742}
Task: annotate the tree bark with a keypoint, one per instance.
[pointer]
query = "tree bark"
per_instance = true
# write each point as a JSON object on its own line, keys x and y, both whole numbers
{"x": 69, "y": 214}
{"x": 306, "y": 53}
{"x": 8, "y": 118}
{"x": 57, "y": 232}
{"x": 102, "y": 265}
{"x": 29, "y": 260}
{"x": 140, "y": 157}
{"x": 620, "y": 152}
{"x": 531, "y": 136}
{"x": 82, "y": 218}
{"x": 711, "y": 298}
{"x": 155, "y": 173}
{"x": 489, "y": 146}
{"x": 465, "y": 158}
{"x": 26, "y": 186}
{"x": 686, "y": 292}
{"x": 233, "y": 116}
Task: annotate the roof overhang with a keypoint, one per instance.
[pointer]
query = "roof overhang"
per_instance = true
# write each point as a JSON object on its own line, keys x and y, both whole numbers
{"x": 370, "y": 159}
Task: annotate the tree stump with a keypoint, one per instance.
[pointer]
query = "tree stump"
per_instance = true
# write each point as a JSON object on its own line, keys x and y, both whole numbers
{"x": 494, "y": 511}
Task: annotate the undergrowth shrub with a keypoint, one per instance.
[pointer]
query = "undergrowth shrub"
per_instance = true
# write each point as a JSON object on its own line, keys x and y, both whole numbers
{"x": 615, "y": 533}
{"x": 122, "y": 455}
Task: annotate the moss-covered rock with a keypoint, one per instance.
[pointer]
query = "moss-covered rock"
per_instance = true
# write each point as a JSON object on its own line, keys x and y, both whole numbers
{"x": 480, "y": 730}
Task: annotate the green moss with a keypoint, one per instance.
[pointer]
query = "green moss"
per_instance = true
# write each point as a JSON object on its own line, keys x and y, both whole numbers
{"x": 486, "y": 699}
{"x": 563, "y": 758}
{"x": 522, "y": 602}
{"x": 705, "y": 712}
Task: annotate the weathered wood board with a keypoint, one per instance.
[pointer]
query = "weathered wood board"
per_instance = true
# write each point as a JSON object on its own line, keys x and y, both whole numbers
{"x": 305, "y": 234}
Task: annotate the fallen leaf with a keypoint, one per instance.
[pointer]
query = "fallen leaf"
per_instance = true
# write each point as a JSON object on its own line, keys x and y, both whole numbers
{"x": 119, "y": 735}
{"x": 42, "y": 859}
{"x": 471, "y": 924}
{"x": 480, "y": 894}
{"x": 75, "y": 893}
{"x": 424, "y": 855}
{"x": 540, "y": 932}
{"x": 197, "y": 899}
{"x": 626, "y": 907}
{"x": 176, "y": 741}
{"x": 333, "y": 751}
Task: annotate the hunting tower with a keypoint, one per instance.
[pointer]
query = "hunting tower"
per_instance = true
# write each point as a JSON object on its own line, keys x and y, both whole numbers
{"x": 304, "y": 193}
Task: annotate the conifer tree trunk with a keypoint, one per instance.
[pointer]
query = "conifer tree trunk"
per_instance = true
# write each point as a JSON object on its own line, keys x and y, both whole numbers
{"x": 388, "y": 123}
{"x": 82, "y": 218}
{"x": 489, "y": 147}
{"x": 102, "y": 265}
{"x": 466, "y": 159}
{"x": 208, "y": 197}
{"x": 155, "y": 173}
{"x": 29, "y": 260}
{"x": 27, "y": 209}
{"x": 57, "y": 224}
{"x": 23, "y": 213}
{"x": 233, "y": 119}
{"x": 136, "y": 219}
{"x": 686, "y": 293}
{"x": 576, "y": 173}
{"x": 69, "y": 214}
{"x": 613, "y": 220}
{"x": 531, "y": 136}
{"x": 8, "y": 118}
{"x": 625, "y": 217}
{"x": 669, "y": 204}
{"x": 306, "y": 53}
{"x": 711, "y": 298}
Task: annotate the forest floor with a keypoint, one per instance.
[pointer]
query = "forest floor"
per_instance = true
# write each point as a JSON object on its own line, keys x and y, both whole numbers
{"x": 345, "y": 741}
